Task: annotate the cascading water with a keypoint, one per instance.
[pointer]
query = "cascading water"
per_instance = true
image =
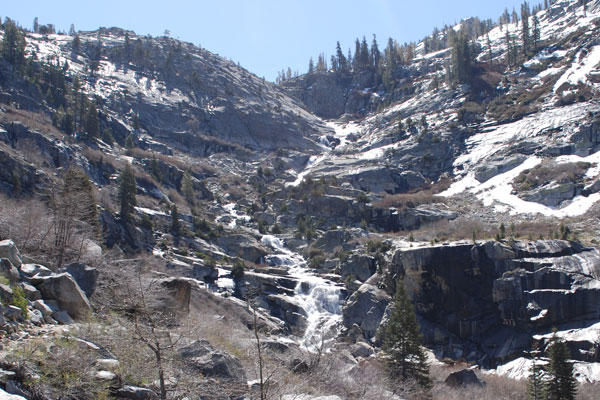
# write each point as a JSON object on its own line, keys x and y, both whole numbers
{"x": 320, "y": 298}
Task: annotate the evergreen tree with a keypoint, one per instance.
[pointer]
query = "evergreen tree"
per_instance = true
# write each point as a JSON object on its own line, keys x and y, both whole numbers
{"x": 375, "y": 53}
{"x": 334, "y": 63}
{"x": 536, "y": 33}
{"x": 391, "y": 54}
{"x": 462, "y": 57}
{"x": 91, "y": 127}
{"x": 13, "y": 44}
{"x": 525, "y": 34}
{"x": 341, "y": 60}
{"x": 403, "y": 342}
{"x": 311, "y": 66}
{"x": 127, "y": 48}
{"x": 129, "y": 141}
{"x": 76, "y": 44}
{"x": 127, "y": 191}
{"x": 321, "y": 63}
{"x": 174, "y": 220}
{"x": 510, "y": 56}
{"x": 561, "y": 383}
{"x": 95, "y": 57}
{"x": 535, "y": 383}
{"x": 349, "y": 59}
{"x": 187, "y": 187}
{"x": 36, "y": 25}
{"x": 364, "y": 54}
{"x": 72, "y": 31}
{"x": 356, "y": 64}
{"x": 515, "y": 17}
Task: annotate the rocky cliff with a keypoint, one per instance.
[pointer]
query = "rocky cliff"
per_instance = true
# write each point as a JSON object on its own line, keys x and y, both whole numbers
{"x": 484, "y": 302}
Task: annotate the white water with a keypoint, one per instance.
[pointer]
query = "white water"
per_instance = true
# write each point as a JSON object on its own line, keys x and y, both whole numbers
{"x": 320, "y": 298}
{"x": 233, "y": 216}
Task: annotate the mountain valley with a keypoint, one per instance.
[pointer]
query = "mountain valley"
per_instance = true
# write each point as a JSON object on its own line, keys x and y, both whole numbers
{"x": 266, "y": 227}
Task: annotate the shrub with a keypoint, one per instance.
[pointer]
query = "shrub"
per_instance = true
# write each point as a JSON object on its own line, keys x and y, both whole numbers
{"x": 408, "y": 200}
{"x": 362, "y": 198}
{"x": 544, "y": 173}
{"x": 20, "y": 300}
{"x": 237, "y": 270}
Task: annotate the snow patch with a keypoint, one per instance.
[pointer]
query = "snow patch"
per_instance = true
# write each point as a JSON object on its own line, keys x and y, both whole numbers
{"x": 579, "y": 70}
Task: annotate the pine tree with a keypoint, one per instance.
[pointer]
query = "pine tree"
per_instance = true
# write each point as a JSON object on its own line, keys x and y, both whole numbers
{"x": 127, "y": 191}
{"x": 536, "y": 33}
{"x": 334, "y": 63}
{"x": 187, "y": 187}
{"x": 364, "y": 53}
{"x": 129, "y": 141}
{"x": 462, "y": 58}
{"x": 341, "y": 60}
{"x": 311, "y": 66}
{"x": 375, "y": 53}
{"x": 356, "y": 65}
{"x": 561, "y": 383}
{"x": 36, "y": 25}
{"x": 76, "y": 44}
{"x": 403, "y": 342}
{"x": 91, "y": 127}
{"x": 535, "y": 383}
{"x": 13, "y": 44}
{"x": 391, "y": 54}
{"x": 525, "y": 35}
{"x": 175, "y": 229}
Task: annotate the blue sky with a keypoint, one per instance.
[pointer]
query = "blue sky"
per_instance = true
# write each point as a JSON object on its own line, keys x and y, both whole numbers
{"x": 264, "y": 36}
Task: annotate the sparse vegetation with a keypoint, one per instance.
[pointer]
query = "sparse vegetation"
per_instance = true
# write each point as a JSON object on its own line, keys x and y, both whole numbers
{"x": 544, "y": 173}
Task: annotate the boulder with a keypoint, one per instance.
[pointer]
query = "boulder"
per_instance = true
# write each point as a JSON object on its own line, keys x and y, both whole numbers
{"x": 13, "y": 313}
{"x": 205, "y": 273}
{"x": 64, "y": 290}
{"x": 244, "y": 246}
{"x": 175, "y": 295}
{"x": 84, "y": 276}
{"x": 7, "y": 396}
{"x": 366, "y": 308}
{"x": 361, "y": 349}
{"x": 465, "y": 377}
{"x": 203, "y": 358}
{"x": 44, "y": 308}
{"x": 9, "y": 250}
{"x": 8, "y": 270}
{"x": 110, "y": 364}
{"x": 136, "y": 393}
{"x": 16, "y": 388}
{"x": 107, "y": 376}
{"x": 6, "y": 293}
{"x": 309, "y": 397}
{"x": 29, "y": 271}
{"x": 360, "y": 266}
{"x": 553, "y": 194}
{"x": 288, "y": 310}
{"x": 62, "y": 317}
{"x": 36, "y": 317}
{"x": 488, "y": 169}
{"x": 31, "y": 292}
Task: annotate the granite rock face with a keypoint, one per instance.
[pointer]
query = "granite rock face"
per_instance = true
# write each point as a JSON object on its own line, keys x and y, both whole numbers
{"x": 490, "y": 297}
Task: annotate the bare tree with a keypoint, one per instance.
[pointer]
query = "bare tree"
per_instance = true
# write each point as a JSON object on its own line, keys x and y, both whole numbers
{"x": 151, "y": 328}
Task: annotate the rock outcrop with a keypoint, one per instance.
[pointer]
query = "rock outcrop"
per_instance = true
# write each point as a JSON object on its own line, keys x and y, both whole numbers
{"x": 63, "y": 289}
{"x": 202, "y": 358}
{"x": 489, "y": 297}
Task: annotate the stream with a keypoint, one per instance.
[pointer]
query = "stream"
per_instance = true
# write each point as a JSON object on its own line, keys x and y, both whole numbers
{"x": 321, "y": 299}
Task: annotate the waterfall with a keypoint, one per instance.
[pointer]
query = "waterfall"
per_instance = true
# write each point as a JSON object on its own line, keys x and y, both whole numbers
{"x": 321, "y": 299}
